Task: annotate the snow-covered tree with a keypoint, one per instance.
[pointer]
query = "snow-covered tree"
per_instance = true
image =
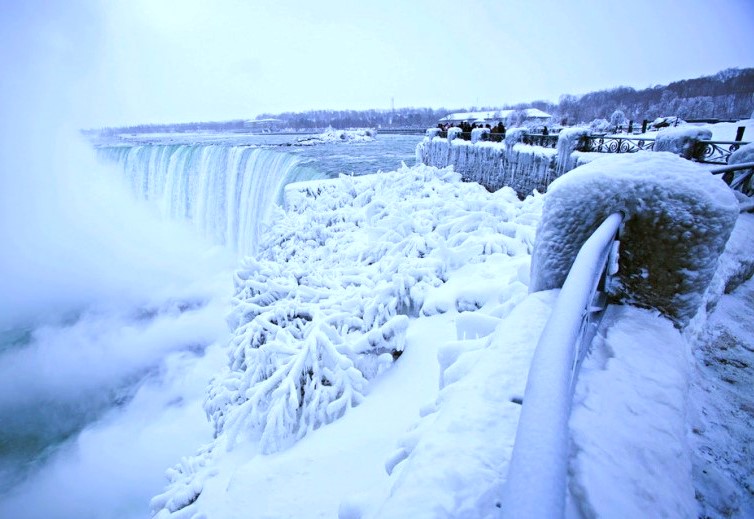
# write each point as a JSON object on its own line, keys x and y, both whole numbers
{"x": 618, "y": 119}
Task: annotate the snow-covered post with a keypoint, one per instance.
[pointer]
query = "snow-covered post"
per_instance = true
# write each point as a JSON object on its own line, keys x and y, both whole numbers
{"x": 681, "y": 140}
{"x": 569, "y": 140}
{"x": 432, "y": 132}
{"x": 453, "y": 133}
{"x": 678, "y": 219}
{"x": 512, "y": 137}
{"x": 480, "y": 134}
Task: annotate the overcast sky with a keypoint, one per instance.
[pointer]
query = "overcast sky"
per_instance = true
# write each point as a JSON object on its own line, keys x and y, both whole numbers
{"x": 113, "y": 63}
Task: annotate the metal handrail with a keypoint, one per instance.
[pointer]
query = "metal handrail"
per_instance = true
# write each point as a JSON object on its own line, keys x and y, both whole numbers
{"x": 536, "y": 485}
{"x": 736, "y": 182}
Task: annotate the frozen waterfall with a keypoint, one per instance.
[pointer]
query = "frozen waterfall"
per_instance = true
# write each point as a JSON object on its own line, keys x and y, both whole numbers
{"x": 227, "y": 192}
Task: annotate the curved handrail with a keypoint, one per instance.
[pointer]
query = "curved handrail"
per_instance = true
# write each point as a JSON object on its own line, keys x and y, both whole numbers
{"x": 536, "y": 485}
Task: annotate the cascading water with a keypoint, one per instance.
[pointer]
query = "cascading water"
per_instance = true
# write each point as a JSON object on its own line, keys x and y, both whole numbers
{"x": 227, "y": 191}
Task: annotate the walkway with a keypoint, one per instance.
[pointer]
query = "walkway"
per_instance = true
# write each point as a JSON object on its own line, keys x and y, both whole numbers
{"x": 722, "y": 398}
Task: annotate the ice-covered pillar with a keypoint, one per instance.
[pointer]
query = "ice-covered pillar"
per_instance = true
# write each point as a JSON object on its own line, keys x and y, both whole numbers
{"x": 432, "y": 132}
{"x": 677, "y": 217}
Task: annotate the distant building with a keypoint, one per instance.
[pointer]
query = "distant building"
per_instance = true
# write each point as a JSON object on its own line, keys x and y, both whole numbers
{"x": 531, "y": 115}
{"x": 263, "y": 125}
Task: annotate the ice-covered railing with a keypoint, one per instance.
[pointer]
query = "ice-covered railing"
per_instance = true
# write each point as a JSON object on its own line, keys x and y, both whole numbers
{"x": 675, "y": 219}
{"x": 536, "y": 484}
{"x": 742, "y": 180}
{"x": 529, "y": 161}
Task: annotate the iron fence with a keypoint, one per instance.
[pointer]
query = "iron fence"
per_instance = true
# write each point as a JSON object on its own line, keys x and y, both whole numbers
{"x": 706, "y": 152}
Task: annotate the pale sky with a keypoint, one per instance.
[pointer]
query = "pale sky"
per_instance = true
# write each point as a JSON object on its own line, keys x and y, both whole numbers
{"x": 126, "y": 62}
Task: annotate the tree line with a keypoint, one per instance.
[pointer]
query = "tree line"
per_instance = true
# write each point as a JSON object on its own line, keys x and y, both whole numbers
{"x": 727, "y": 95}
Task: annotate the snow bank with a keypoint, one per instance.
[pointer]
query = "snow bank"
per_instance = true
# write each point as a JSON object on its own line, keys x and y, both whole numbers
{"x": 727, "y": 131}
{"x": 361, "y": 135}
{"x": 323, "y": 308}
{"x": 454, "y": 462}
{"x": 681, "y": 140}
{"x": 630, "y": 454}
{"x": 677, "y": 220}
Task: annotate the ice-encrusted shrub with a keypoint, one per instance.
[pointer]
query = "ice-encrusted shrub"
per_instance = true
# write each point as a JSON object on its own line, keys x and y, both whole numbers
{"x": 681, "y": 140}
{"x": 323, "y": 306}
{"x": 677, "y": 220}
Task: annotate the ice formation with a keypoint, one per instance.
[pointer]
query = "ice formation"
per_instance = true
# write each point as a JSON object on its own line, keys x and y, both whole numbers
{"x": 227, "y": 192}
{"x": 520, "y": 166}
{"x": 322, "y": 308}
{"x": 677, "y": 220}
{"x": 361, "y": 135}
{"x": 568, "y": 140}
{"x": 480, "y": 134}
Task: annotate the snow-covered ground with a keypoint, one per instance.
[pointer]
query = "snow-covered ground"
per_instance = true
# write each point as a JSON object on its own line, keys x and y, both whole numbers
{"x": 720, "y": 131}
{"x": 448, "y": 264}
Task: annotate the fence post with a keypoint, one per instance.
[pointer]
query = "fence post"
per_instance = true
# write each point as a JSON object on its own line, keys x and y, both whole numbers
{"x": 644, "y": 126}
{"x": 740, "y": 133}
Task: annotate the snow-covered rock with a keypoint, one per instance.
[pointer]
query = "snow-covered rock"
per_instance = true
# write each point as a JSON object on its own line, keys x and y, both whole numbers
{"x": 677, "y": 220}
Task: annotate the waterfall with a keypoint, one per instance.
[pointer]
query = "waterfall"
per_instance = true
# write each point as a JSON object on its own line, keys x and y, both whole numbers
{"x": 227, "y": 192}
